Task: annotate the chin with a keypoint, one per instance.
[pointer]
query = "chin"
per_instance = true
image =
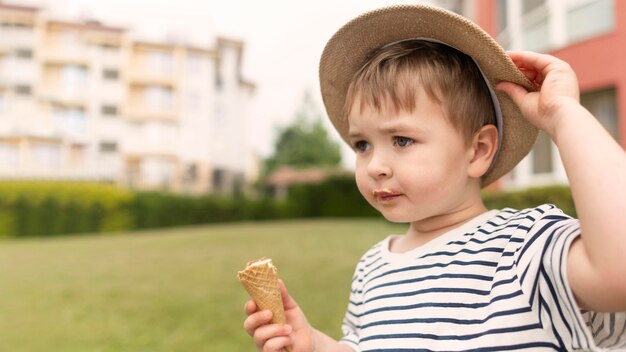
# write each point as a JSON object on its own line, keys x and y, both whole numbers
{"x": 396, "y": 218}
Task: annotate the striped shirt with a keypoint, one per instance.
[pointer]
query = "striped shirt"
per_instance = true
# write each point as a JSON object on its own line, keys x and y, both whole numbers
{"x": 497, "y": 283}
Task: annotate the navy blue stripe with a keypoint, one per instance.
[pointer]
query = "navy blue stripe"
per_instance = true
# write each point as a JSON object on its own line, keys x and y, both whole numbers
{"x": 430, "y": 290}
{"x": 432, "y": 277}
{"x": 520, "y": 346}
{"x": 464, "y": 250}
{"x": 532, "y": 240}
{"x": 453, "y": 337}
{"x": 555, "y": 297}
{"x": 570, "y": 304}
{"x": 476, "y": 240}
{"x": 440, "y": 305}
{"x": 435, "y": 265}
{"x": 611, "y": 329}
{"x": 544, "y": 305}
{"x": 450, "y": 320}
{"x": 375, "y": 270}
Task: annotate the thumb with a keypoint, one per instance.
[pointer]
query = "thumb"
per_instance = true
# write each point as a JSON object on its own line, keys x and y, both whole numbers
{"x": 516, "y": 92}
{"x": 288, "y": 302}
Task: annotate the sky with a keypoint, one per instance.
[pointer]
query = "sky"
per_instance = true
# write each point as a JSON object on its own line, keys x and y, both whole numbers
{"x": 283, "y": 41}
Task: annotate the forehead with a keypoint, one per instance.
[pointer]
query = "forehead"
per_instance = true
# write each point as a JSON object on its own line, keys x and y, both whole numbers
{"x": 389, "y": 117}
{"x": 388, "y": 105}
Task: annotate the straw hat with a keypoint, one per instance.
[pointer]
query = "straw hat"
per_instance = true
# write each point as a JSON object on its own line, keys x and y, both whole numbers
{"x": 348, "y": 49}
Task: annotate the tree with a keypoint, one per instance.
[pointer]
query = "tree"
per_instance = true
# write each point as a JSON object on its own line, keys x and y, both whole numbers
{"x": 305, "y": 142}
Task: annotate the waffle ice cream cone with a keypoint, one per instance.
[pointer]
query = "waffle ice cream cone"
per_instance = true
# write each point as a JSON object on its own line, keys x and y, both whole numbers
{"x": 260, "y": 279}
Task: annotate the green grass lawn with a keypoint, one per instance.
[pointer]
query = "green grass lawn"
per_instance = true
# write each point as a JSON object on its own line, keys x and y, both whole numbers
{"x": 170, "y": 290}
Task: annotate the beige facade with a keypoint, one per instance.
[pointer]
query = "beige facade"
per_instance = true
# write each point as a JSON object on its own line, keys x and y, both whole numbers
{"x": 87, "y": 101}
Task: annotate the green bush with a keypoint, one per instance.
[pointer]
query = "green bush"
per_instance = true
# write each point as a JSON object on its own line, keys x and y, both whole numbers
{"x": 560, "y": 196}
{"x": 30, "y": 208}
{"x": 335, "y": 197}
{"x": 54, "y": 208}
{"x": 339, "y": 196}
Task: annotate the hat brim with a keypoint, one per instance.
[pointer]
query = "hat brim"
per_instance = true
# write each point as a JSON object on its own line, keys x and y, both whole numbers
{"x": 348, "y": 49}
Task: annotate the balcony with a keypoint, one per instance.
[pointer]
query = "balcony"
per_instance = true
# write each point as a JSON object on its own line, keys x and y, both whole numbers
{"x": 66, "y": 55}
{"x": 141, "y": 76}
{"x": 64, "y": 97}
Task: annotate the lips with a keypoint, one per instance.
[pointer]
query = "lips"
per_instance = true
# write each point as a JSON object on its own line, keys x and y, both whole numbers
{"x": 385, "y": 195}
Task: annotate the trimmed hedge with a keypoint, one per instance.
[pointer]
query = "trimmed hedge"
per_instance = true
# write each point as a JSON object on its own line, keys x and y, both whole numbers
{"x": 54, "y": 208}
{"x": 561, "y": 196}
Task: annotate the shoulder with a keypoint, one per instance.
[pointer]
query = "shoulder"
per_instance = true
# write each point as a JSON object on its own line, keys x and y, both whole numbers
{"x": 372, "y": 255}
{"x": 529, "y": 217}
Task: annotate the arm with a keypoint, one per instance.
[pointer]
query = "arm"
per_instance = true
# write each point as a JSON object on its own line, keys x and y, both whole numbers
{"x": 297, "y": 333}
{"x": 596, "y": 169}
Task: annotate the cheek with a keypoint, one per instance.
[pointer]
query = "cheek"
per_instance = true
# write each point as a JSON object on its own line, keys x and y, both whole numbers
{"x": 362, "y": 182}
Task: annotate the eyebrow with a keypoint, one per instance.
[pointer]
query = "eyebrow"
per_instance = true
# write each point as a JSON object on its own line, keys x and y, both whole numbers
{"x": 391, "y": 129}
{"x": 400, "y": 127}
{"x": 354, "y": 134}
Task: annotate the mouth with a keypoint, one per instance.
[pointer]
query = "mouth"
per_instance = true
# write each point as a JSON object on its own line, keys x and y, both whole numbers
{"x": 385, "y": 195}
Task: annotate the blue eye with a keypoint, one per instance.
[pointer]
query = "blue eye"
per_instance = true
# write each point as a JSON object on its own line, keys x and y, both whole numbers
{"x": 361, "y": 146}
{"x": 402, "y": 141}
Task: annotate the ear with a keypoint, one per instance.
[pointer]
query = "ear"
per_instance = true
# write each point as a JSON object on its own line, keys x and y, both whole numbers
{"x": 482, "y": 150}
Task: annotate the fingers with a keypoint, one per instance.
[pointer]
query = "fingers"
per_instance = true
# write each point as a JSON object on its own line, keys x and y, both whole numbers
{"x": 536, "y": 66}
{"x": 267, "y": 337}
{"x": 273, "y": 337}
{"x": 516, "y": 92}
{"x": 288, "y": 302}
{"x": 250, "y": 307}
{"x": 255, "y": 320}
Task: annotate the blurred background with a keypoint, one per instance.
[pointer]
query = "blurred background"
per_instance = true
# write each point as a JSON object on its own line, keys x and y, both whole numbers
{"x": 193, "y": 135}
{"x": 187, "y": 96}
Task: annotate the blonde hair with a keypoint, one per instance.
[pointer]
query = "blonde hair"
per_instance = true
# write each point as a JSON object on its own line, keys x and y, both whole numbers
{"x": 395, "y": 73}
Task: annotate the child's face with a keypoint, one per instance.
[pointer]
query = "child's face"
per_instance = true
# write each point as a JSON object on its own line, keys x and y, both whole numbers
{"x": 410, "y": 166}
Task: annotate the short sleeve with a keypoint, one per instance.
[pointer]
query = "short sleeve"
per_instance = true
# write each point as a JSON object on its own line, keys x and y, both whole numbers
{"x": 542, "y": 264}
{"x": 351, "y": 325}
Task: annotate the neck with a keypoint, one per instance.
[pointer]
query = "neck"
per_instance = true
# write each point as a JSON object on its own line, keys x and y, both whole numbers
{"x": 427, "y": 229}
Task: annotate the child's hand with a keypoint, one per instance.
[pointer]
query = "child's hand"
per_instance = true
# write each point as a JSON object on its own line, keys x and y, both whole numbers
{"x": 557, "y": 89}
{"x": 267, "y": 337}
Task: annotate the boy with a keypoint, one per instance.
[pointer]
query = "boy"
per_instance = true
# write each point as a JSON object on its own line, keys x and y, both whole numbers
{"x": 411, "y": 89}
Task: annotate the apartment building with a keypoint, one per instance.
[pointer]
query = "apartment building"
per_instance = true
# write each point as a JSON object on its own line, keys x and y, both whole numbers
{"x": 87, "y": 101}
{"x": 591, "y": 36}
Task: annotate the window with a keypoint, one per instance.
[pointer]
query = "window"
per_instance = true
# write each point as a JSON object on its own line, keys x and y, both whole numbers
{"x": 218, "y": 179}
{"x": 194, "y": 64}
{"x": 9, "y": 155}
{"x": 76, "y": 157}
{"x": 157, "y": 132}
{"x": 108, "y": 147}
{"x": 590, "y": 18}
{"x": 194, "y": 102}
{"x": 108, "y": 110}
{"x": 74, "y": 78}
{"x": 542, "y": 155}
{"x": 537, "y": 35}
{"x": 603, "y": 105}
{"x": 47, "y": 155}
{"x": 159, "y": 98}
{"x": 530, "y": 5}
{"x": 503, "y": 20}
{"x": 71, "y": 120}
{"x": 69, "y": 39}
{"x": 24, "y": 53}
{"x": 157, "y": 171}
{"x": 219, "y": 82}
{"x": 160, "y": 62}
{"x": 22, "y": 89}
{"x": 110, "y": 73}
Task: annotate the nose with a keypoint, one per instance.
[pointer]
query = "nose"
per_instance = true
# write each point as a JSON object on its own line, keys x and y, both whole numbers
{"x": 379, "y": 166}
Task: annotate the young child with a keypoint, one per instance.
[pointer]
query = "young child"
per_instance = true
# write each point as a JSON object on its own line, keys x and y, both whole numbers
{"x": 433, "y": 108}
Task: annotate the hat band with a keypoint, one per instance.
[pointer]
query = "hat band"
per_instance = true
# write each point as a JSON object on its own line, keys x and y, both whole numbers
{"x": 492, "y": 94}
